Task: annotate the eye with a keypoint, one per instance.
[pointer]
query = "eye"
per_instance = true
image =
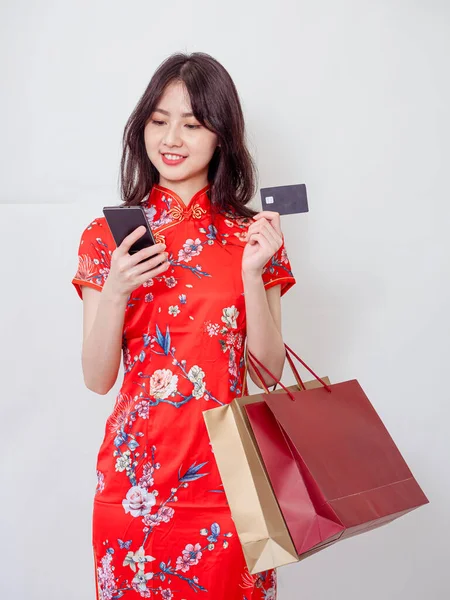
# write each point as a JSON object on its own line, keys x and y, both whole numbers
{"x": 193, "y": 126}
{"x": 157, "y": 122}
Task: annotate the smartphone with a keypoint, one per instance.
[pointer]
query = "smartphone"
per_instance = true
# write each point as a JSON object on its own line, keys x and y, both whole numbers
{"x": 123, "y": 220}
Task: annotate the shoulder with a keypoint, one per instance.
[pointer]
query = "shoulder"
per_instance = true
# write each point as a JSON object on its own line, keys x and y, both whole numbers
{"x": 233, "y": 225}
{"x": 97, "y": 228}
{"x": 97, "y": 225}
{"x": 96, "y": 238}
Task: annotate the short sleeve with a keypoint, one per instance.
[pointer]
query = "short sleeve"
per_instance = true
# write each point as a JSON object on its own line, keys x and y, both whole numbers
{"x": 278, "y": 271}
{"x": 94, "y": 256}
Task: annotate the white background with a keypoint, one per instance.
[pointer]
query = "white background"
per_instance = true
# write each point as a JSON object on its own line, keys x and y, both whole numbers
{"x": 351, "y": 98}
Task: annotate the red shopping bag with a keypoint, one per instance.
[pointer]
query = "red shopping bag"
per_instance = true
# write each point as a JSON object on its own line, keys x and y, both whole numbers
{"x": 333, "y": 466}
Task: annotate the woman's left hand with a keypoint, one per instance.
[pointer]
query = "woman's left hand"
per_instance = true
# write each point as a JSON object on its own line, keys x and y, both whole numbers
{"x": 264, "y": 239}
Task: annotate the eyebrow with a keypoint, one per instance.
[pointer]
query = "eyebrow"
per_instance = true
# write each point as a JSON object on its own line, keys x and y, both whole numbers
{"x": 166, "y": 112}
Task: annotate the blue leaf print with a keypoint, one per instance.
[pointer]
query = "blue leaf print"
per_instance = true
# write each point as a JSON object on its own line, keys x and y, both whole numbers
{"x": 147, "y": 339}
{"x": 159, "y": 337}
{"x": 132, "y": 445}
{"x": 215, "y": 532}
{"x": 167, "y": 342}
{"x": 142, "y": 356}
{"x": 163, "y": 340}
{"x": 212, "y": 235}
{"x": 120, "y": 439}
{"x": 193, "y": 473}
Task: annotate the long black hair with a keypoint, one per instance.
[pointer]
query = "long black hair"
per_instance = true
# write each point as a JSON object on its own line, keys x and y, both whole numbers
{"x": 216, "y": 105}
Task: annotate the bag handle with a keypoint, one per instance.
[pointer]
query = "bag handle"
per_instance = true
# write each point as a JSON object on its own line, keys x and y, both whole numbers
{"x": 253, "y": 361}
{"x": 301, "y": 385}
{"x": 327, "y": 387}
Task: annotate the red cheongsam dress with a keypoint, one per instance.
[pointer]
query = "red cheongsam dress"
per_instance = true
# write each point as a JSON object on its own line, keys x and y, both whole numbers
{"x": 162, "y": 527}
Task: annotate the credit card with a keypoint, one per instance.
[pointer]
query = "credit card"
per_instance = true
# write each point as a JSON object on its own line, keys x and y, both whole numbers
{"x": 285, "y": 199}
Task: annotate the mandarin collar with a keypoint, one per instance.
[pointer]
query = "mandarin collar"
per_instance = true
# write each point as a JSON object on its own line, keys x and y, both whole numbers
{"x": 163, "y": 206}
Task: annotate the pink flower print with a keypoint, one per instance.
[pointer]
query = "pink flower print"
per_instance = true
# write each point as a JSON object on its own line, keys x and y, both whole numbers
{"x": 138, "y": 501}
{"x": 239, "y": 340}
{"x": 171, "y": 282}
{"x": 163, "y": 515}
{"x": 284, "y": 256}
{"x": 182, "y": 564}
{"x": 147, "y": 480}
{"x": 143, "y": 409}
{"x": 166, "y": 594}
{"x": 212, "y": 329}
{"x": 150, "y": 212}
{"x": 228, "y": 223}
{"x": 241, "y": 235}
{"x": 100, "y": 483}
{"x": 86, "y": 268}
{"x": 191, "y": 555}
{"x": 163, "y": 383}
{"x": 190, "y": 248}
{"x": 106, "y": 581}
{"x": 231, "y": 339}
{"x": 121, "y": 413}
{"x": 232, "y": 366}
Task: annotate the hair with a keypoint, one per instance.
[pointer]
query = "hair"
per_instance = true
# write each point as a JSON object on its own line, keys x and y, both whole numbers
{"x": 216, "y": 105}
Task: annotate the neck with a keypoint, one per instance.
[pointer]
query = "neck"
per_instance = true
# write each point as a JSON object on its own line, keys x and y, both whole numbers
{"x": 185, "y": 189}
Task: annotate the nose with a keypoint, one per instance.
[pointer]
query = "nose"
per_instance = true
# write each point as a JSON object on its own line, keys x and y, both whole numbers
{"x": 172, "y": 136}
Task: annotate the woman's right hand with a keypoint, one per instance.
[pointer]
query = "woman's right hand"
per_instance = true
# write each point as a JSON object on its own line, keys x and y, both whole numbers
{"x": 126, "y": 274}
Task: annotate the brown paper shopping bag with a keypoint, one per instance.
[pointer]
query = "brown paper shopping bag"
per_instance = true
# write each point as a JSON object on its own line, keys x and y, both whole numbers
{"x": 262, "y": 531}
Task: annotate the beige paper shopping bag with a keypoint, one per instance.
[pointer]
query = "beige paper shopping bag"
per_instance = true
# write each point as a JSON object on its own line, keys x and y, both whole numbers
{"x": 265, "y": 539}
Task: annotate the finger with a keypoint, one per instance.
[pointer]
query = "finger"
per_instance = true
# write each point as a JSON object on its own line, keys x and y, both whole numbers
{"x": 272, "y": 217}
{"x": 273, "y": 236}
{"x": 147, "y": 253}
{"x": 260, "y": 238}
{"x": 132, "y": 237}
{"x": 153, "y": 272}
{"x": 256, "y": 226}
{"x": 151, "y": 263}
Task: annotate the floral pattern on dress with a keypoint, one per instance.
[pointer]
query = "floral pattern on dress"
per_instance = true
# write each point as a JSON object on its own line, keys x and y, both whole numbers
{"x": 161, "y": 524}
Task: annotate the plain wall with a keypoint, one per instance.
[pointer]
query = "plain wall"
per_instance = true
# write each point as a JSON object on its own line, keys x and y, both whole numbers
{"x": 348, "y": 97}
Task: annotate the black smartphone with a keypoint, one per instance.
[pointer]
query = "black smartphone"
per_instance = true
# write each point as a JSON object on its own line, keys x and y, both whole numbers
{"x": 123, "y": 220}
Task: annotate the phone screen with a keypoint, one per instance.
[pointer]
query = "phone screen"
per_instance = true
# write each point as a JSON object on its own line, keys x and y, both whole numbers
{"x": 123, "y": 220}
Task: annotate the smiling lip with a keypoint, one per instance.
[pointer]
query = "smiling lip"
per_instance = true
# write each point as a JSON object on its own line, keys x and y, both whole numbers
{"x": 170, "y": 162}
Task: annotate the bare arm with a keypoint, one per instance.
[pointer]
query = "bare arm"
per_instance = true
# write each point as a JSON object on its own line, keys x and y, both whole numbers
{"x": 264, "y": 339}
{"x": 103, "y": 317}
{"x": 263, "y": 308}
{"x": 104, "y": 311}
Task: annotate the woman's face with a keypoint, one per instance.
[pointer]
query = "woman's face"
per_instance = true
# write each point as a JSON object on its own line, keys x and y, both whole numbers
{"x": 178, "y": 146}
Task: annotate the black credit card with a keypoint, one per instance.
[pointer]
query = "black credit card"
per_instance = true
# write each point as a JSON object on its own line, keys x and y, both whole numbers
{"x": 285, "y": 199}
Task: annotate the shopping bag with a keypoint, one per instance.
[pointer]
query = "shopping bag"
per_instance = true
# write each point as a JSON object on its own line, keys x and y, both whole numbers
{"x": 262, "y": 531}
{"x": 334, "y": 468}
